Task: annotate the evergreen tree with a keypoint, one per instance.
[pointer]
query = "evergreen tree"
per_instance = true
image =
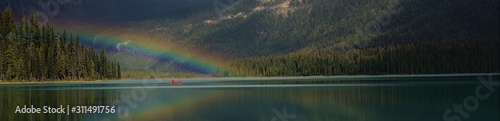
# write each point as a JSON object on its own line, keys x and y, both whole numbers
{"x": 9, "y": 62}
{"x": 30, "y": 62}
{"x": 71, "y": 57}
{"x": 33, "y": 52}
{"x": 35, "y": 28}
{"x": 7, "y": 21}
{"x": 1, "y": 25}
{"x": 3, "y": 48}
{"x": 41, "y": 71}
{"x": 119, "y": 73}
{"x": 103, "y": 64}
{"x": 91, "y": 67}
{"x": 78, "y": 58}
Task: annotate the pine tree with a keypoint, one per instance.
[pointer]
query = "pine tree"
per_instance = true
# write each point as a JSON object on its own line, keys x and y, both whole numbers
{"x": 71, "y": 57}
{"x": 21, "y": 32}
{"x": 1, "y": 25}
{"x": 18, "y": 68}
{"x": 43, "y": 35}
{"x": 91, "y": 67}
{"x": 119, "y": 73}
{"x": 62, "y": 65}
{"x": 35, "y": 28}
{"x": 7, "y": 21}
{"x": 3, "y": 46}
{"x": 26, "y": 28}
{"x": 41, "y": 71}
{"x": 78, "y": 58}
{"x": 30, "y": 61}
{"x": 115, "y": 70}
{"x": 51, "y": 56}
{"x": 33, "y": 52}
{"x": 10, "y": 57}
{"x": 97, "y": 62}
{"x": 110, "y": 69}
{"x": 9, "y": 62}
{"x": 103, "y": 64}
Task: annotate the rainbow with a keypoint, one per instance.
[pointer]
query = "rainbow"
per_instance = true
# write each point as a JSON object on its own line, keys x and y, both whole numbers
{"x": 174, "y": 106}
{"x": 141, "y": 45}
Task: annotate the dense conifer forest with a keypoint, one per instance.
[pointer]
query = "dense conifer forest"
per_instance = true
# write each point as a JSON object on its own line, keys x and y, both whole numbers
{"x": 422, "y": 58}
{"x": 33, "y": 52}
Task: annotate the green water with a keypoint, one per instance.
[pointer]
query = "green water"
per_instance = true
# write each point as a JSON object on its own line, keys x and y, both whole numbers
{"x": 341, "y": 98}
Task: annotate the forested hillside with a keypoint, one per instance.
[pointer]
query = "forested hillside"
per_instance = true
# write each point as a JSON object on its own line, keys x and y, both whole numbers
{"x": 423, "y": 58}
{"x": 344, "y": 37}
{"x": 33, "y": 52}
{"x": 304, "y": 37}
{"x": 250, "y": 28}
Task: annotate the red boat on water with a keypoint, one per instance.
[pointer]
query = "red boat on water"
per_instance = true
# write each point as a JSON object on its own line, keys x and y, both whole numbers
{"x": 175, "y": 83}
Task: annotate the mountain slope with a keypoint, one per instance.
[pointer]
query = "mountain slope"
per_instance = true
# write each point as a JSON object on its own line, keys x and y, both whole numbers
{"x": 269, "y": 27}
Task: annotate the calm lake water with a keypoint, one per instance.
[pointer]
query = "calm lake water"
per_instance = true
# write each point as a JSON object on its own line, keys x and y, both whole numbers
{"x": 340, "y": 98}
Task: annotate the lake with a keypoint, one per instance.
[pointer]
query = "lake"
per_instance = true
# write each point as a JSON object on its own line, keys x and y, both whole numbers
{"x": 453, "y": 97}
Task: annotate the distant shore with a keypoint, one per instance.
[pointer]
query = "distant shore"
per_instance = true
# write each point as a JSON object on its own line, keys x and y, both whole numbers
{"x": 41, "y": 82}
{"x": 273, "y": 78}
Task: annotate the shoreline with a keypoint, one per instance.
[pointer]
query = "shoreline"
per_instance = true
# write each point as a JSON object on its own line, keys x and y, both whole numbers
{"x": 45, "y": 82}
{"x": 271, "y": 78}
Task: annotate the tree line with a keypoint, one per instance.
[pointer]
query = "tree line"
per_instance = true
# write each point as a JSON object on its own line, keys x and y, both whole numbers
{"x": 33, "y": 52}
{"x": 475, "y": 56}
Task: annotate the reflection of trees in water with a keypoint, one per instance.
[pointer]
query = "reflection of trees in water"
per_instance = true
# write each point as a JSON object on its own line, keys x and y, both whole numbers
{"x": 314, "y": 103}
{"x": 9, "y": 100}
{"x": 358, "y": 103}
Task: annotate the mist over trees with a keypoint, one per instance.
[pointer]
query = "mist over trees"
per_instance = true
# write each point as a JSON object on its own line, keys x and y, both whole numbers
{"x": 33, "y": 52}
